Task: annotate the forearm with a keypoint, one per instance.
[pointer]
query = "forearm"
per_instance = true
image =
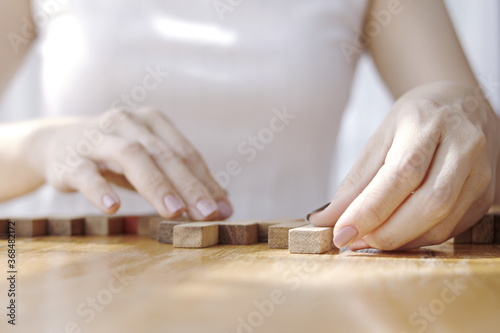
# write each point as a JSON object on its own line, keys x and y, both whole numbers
{"x": 21, "y": 147}
{"x": 417, "y": 46}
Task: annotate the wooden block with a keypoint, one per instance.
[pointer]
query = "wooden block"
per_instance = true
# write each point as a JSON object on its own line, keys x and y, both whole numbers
{"x": 238, "y": 233}
{"x": 66, "y": 226}
{"x": 482, "y": 231}
{"x": 4, "y": 228}
{"x": 143, "y": 225}
{"x": 463, "y": 238}
{"x": 263, "y": 226}
{"x": 278, "y": 234}
{"x": 496, "y": 229}
{"x": 166, "y": 231}
{"x": 28, "y": 227}
{"x": 104, "y": 225}
{"x": 196, "y": 234}
{"x": 154, "y": 223}
{"x": 310, "y": 239}
{"x": 131, "y": 224}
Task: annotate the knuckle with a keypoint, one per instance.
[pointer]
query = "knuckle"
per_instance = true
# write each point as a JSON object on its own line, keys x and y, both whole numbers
{"x": 116, "y": 115}
{"x": 150, "y": 112}
{"x": 438, "y": 204}
{"x": 410, "y": 169}
{"x": 371, "y": 214}
{"x": 193, "y": 190}
{"x": 436, "y": 235}
{"x": 155, "y": 182}
{"x": 130, "y": 148}
{"x": 164, "y": 155}
{"x": 190, "y": 155}
{"x": 383, "y": 241}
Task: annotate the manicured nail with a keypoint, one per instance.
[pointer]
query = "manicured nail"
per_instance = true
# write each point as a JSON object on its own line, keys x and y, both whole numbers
{"x": 206, "y": 207}
{"x": 108, "y": 201}
{"x": 173, "y": 203}
{"x": 358, "y": 245}
{"x": 225, "y": 209}
{"x": 317, "y": 210}
{"x": 345, "y": 236}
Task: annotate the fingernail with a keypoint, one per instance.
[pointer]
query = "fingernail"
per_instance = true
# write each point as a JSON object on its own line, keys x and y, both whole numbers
{"x": 345, "y": 236}
{"x": 108, "y": 201}
{"x": 317, "y": 210}
{"x": 225, "y": 209}
{"x": 358, "y": 245}
{"x": 206, "y": 207}
{"x": 173, "y": 203}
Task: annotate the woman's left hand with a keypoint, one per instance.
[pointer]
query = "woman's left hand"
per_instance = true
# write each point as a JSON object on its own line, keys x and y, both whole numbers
{"x": 426, "y": 175}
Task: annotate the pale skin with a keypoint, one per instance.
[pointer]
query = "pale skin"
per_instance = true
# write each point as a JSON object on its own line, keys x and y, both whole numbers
{"x": 427, "y": 174}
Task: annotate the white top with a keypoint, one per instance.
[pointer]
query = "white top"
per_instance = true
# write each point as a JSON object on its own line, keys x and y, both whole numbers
{"x": 258, "y": 87}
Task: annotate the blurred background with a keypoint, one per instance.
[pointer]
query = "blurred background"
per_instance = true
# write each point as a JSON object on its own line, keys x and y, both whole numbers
{"x": 477, "y": 24}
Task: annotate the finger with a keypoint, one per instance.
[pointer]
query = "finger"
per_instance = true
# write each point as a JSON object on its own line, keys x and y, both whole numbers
{"x": 467, "y": 210}
{"x": 434, "y": 202}
{"x": 86, "y": 179}
{"x": 200, "y": 205}
{"x": 130, "y": 159}
{"x": 405, "y": 167}
{"x": 163, "y": 128}
{"x": 360, "y": 175}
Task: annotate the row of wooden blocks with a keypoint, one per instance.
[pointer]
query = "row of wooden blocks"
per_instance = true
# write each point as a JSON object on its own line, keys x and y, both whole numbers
{"x": 295, "y": 234}
{"x": 486, "y": 231}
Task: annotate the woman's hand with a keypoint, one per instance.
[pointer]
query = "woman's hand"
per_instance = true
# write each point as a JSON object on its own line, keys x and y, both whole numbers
{"x": 140, "y": 150}
{"x": 427, "y": 174}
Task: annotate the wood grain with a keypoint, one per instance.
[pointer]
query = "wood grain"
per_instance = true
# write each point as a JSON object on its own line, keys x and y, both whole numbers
{"x": 104, "y": 225}
{"x": 238, "y": 232}
{"x": 166, "y": 231}
{"x": 224, "y": 288}
{"x": 310, "y": 239}
{"x": 482, "y": 231}
{"x": 30, "y": 227}
{"x": 66, "y": 226}
{"x": 196, "y": 234}
{"x": 278, "y": 233}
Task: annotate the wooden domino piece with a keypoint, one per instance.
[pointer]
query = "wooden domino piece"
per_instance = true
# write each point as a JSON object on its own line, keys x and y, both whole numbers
{"x": 104, "y": 225}
{"x": 30, "y": 227}
{"x": 143, "y": 225}
{"x": 196, "y": 234}
{"x": 166, "y": 231}
{"x": 310, "y": 239}
{"x": 463, "y": 238}
{"x": 130, "y": 224}
{"x": 65, "y": 226}
{"x": 263, "y": 226}
{"x": 278, "y": 233}
{"x": 4, "y": 228}
{"x": 154, "y": 223}
{"x": 238, "y": 233}
{"x": 482, "y": 231}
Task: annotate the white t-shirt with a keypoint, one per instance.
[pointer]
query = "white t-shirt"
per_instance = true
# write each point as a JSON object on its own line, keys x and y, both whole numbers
{"x": 258, "y": 87}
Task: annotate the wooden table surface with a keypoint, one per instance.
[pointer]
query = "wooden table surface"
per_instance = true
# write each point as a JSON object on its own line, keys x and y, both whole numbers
{"x": 134, "y": 284}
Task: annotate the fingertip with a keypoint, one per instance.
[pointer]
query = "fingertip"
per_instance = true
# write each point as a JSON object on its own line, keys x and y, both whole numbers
{"x": 110, "y": 203}
{"x": 225, "y": 209}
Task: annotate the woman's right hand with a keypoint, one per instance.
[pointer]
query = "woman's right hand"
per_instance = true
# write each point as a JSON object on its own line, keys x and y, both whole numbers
{"x": 142, "y": 150}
